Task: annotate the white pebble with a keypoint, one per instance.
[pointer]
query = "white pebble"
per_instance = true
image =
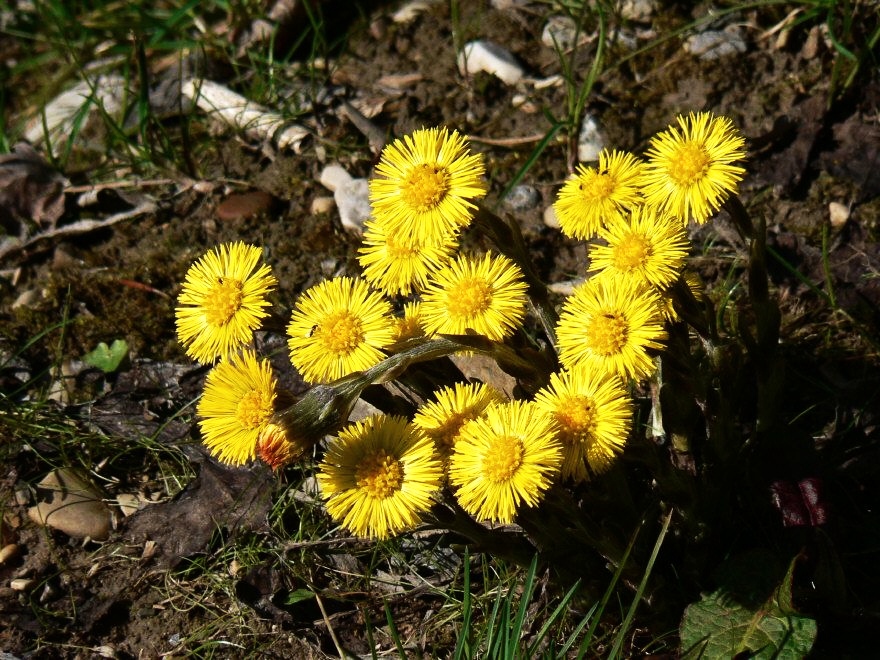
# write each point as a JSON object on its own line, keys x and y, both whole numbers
{"x": 715, "y": 44}
{"x": 838, "y": 214}
{"x": 590, "y": 140}
{"x": 559, "y": 33}
{"x": 333, "y": 176}
{"x": 489, "y": 57}
{"x": 322, "y": 205}
{"x": 550, "y": 218}
{"x": 353, "y": 200}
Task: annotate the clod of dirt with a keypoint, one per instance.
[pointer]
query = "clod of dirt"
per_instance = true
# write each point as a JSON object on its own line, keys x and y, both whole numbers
{"x": 31, "y": 190}
{"x": 75, "y": 506}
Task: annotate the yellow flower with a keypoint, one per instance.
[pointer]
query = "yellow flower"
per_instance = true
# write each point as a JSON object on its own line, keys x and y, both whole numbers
{"x": 338, "y": 327}
{"x": 409, "y": 325}
{"x": 594, "y": 416}
{"x": 689, "y": 171}
{"x": 378, "y": 476}
{"x": 452, "y": 407}
{"x": 609, "y": 325}
{"x": 594, "y": 196}
{"x": 425, "y": 183}
{"x": 504, "y": 459}
{"x": 236, "y": 407}
{"x": 485, "y": 295}
{"x": 222, "y": 301}
{"x": 399, "y": 263}
{"x": 650, "y": 246}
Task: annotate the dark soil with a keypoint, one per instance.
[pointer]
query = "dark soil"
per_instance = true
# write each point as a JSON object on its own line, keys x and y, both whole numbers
{"x": 809, "y": 145}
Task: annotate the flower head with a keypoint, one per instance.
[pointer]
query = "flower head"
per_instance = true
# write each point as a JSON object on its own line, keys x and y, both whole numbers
{"x": 594, "y": 416}
{"x": 378, "y": 476}
{"x": 594, "y": 196}
{"x": 222, "y": 301}
{"x": 277, "y": 447}
{"x": 452, "y": 407}
{"x": 236, "y": 407}
{"x": 338, "y": 326}
{"x": 689, "y": 171}
{"x": 425, "y": 183}
{"x": 485, "y": 295}
{"x": 408, "y": 326}
{"x": 397, "y": 262}
{"x": 650, "y": 245}
{"x": 608, "y": 325}
{"x": 504, "y": 459}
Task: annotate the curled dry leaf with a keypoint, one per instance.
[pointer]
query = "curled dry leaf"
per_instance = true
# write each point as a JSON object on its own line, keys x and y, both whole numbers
{"x": 31, "y": 191}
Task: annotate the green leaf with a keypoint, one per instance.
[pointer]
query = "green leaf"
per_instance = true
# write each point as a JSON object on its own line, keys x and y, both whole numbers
{"x": 298, "y": 595}
{"x": 730, "y": 621}
{"x": 107, "y": 358}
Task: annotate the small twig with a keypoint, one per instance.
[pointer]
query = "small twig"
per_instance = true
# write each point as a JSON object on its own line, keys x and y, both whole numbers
{"x": 144, "y": 183}
{"x": 330, "y": 630}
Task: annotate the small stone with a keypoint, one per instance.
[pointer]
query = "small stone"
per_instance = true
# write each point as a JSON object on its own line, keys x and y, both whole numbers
{"x": 522, "y": 198}
{"x": 8, "y": 552}
{"x": 241, "y": 206}
{"x": 322, "y": 205}
{"x": 838, "y": 213}
{"x": 560, "y": 33}
{"x": 486, "y": 56}
{"x": 334, "y": 176}
{"x": 590, "y": 140}
{"x": 715, "y": 44}
{"x": 27, "y": 298}
{"x": 22, "y": 584}
{"x": 550, "y": 218}
{"x": 638, "y": 10}
{"x": 565, "y": 288}
{"x": 353, "y": 202}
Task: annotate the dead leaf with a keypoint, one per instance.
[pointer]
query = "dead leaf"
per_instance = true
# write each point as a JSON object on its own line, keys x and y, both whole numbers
{"x": 221, "y": 497}
{"x": 31, "y": 191}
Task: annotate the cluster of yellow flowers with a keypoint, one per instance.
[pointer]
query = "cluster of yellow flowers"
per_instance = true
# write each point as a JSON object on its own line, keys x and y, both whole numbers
{"x": 379, "y": 475}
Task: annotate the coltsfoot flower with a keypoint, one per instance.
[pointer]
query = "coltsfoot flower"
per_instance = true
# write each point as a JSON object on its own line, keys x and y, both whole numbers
{"x": 222, "y": 301}
{"x": 485, "y": 295}
{"x": 378, "y": 476}
{"x": 609, "y": 325}
{"x": 451, "y": 408}
{"x": 649, "y": 246}
{"x": 594, "y": 414}
{"x": 338, "y": 326}
{"x": 689, "y": 172}
{"x": 236, "y": 407}
{"x": 425, "y": 184}
{"x": 504, "y": 459}
{"x": 596, "y": 195}
{"x": 399, "y": 263}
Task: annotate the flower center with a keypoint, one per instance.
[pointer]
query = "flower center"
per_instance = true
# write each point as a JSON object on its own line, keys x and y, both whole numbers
{"x": 223, "y": 301}
{"x": 340, "y": 333}
{"x": 503, "y": 459}
{"x": 597, "y": 188}
{"x": 576, "y": 416}
{"x": 470, "y": 297}
{"x": 425, "y": 187}
{"x": 379, "y": 474}
{"x": 253, "y": 410}
{"x": 607, "y": 333}
{"x": 631, "y": 252}
{"x": 689, "y": 164}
